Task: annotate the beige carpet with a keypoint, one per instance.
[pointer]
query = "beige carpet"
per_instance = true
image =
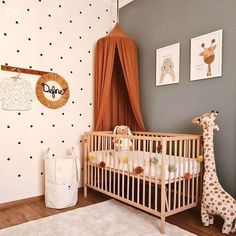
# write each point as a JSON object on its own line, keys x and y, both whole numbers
{"x": 107, "y": 218}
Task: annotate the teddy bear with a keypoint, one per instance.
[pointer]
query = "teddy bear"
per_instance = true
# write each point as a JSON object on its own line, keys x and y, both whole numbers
{"x": 122, "y": 144}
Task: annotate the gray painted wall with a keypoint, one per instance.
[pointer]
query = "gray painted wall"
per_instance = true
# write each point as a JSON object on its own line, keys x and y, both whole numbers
{"x": 158, "y": 23}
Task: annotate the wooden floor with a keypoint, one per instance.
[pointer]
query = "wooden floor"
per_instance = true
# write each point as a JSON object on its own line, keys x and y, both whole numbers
{"x": 27, "y": 211}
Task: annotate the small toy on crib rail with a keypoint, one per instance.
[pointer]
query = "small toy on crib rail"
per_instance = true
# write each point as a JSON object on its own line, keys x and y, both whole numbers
{"x": 215, "y": 200}
{"x": 122, "y": 144}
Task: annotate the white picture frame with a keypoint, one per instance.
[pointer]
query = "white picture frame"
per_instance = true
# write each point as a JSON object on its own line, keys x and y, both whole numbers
{"x": 167, "y": 65}
{"x": 206, "y": 56}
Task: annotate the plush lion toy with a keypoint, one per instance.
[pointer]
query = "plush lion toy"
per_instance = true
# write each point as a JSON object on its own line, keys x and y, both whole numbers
{"x": 122, "y": 144}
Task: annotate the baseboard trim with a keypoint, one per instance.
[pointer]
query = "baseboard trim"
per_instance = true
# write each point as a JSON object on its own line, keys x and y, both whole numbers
{"x": 20, "y": 202}
{"x": 24, "y": 201}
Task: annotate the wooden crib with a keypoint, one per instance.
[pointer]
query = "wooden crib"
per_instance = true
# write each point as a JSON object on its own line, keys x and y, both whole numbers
{"x": 160, "y": 174}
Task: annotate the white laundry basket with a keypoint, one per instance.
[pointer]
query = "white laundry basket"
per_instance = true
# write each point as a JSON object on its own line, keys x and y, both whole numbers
{"x": 61, "y": 180}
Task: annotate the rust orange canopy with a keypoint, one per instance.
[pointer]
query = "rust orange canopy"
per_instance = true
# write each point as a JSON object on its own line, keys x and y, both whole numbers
{"x": 116, "y": 83}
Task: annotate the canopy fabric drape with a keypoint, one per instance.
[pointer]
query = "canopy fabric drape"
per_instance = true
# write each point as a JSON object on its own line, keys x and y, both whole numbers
{"x": 116, "y": 83}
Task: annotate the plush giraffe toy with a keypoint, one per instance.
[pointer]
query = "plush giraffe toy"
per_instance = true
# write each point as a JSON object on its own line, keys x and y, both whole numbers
{"x": 215, "y": 201}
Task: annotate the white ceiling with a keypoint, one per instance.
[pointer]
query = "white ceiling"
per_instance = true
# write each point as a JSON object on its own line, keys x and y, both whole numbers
{"x": 124, "y": 2}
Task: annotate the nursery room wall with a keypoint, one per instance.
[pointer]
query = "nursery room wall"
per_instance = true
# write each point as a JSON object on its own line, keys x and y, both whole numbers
{"x": 158, "y": 23}
{"x": 56, "y": 36}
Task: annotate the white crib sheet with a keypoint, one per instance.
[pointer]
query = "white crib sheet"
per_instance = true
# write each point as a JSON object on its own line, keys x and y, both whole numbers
{"x": 175, "y": 166}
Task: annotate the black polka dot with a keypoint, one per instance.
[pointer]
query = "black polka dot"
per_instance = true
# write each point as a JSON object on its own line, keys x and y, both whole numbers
{"x": 80, "y": 12}
{"x": 80, "y": 114}
{"x": 89, "y": 126}
{"x": 19, "y": 175}
{"x": 31, "y": 126}
{"x": 89, "y": 51}
{"x": 19, "y": 143}
{"x": 28, "y": 9}
{"x": 42, "y": 114}
{"x": 106, "y": 32}
{"x": 90, "y": 104}
{"x": 17, "y": 22}
{"x": 19, "y": 113}
{"x": 99, "y": 17}
{"x": 90, "y": 4}
{"x": 41, "y": 54}
{"x": 62, "y": 141}
{"x": 81, "y": 89}
{"x": 73, "y": 102}
{"x": 53, "y": 155}
{"x": 53, "y": 125}
{"x": 41, "y": 141}
{"x": 50, "y": 43}
{"x": 90, "y": 27}
{"x": 30, "y": 67}
{"x": 8, "y": 126}
{"x": 106, "y": 10}
{"x": 18, "y": 50}
{"x": 80, "y": 141}
{"x": 49, "y": 15}
{"x": 72, "y": 125}
{"x": 8, "y": 158}
{"x": 30, "y": 157}
{"x": 80, "y": 37}
{"x": 70, "y": 21}
{"x": 5, "y": 34}
{"x": 63, "y": 113}
{"x": 60, "y": 32}
{"x": 6, "y": 64}
{"x": 71, "y": 72}
{"x": 114, "y": 21}
{"x": 3, "y": 2}
{"x": 80, "y": 60}
{"x": 70, "y": 47}
{"x": 59, "y": 5}
{"x": 41, "y": 173}
{"x": 61, "y": 57}
{"x": 40, "y": 27}
{"x": 29, "y": 39}
{"x": 51, "y": 69}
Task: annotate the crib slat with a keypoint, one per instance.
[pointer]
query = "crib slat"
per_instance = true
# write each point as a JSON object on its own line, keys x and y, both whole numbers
{"x": 193, "y": 167}
{"x": 179, "y": 173}
{"x": 138, "y": 182}
{"x": 189, "y": 158}
{"x": 144, "y": 170}
{"x": 149, "y": 183}
{"x": 197, "y": 184}
{"x": 169, "y": 181}
{"x": 102, "y": 169}
{"x": 92, "y": 161}
{"x": 156, "y": 174}
{"x": 175, "y": 156}
{"x": 184, "y": 160}
{"x": 110, "y": 156}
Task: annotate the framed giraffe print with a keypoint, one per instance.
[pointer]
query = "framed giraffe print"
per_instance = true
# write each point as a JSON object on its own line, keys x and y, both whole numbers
{"x": 206, "y": 56}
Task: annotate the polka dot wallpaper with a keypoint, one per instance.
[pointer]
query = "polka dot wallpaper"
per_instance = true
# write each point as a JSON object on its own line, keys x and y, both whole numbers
{"x": 56, "y": 36}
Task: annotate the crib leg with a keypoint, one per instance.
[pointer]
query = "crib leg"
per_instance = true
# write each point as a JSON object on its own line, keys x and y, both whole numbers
{"x": 162, "y": 225}
{"x": 85, "y": 191}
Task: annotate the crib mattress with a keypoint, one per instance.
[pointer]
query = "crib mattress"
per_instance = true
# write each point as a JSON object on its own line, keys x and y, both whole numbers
{"x": 151, "y": 163}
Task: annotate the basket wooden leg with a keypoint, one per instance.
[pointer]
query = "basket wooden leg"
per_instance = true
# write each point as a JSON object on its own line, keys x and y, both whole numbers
{"x": 162, "y": 225}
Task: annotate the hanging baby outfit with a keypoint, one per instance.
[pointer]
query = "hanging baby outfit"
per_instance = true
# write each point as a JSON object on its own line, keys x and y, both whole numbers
{"x": 16, "y": 94}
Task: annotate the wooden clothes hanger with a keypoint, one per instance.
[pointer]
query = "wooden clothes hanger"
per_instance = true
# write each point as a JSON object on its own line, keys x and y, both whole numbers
{"x": 18, "y": 75}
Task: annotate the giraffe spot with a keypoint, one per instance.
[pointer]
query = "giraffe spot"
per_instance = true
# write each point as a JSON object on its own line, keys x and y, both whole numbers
{"x": 211, "y": 184}
{"x": 226, "y": 197}
{"x": 232, "y": 214}
{"x": 228, "y": 225}
{"x": 211, "y": 199}
{"x": 219, "y": 203}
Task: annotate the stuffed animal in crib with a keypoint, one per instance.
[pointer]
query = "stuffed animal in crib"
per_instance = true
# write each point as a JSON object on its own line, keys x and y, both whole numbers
{"x": 215, "y": 200}
{"x": 122, "y": 144}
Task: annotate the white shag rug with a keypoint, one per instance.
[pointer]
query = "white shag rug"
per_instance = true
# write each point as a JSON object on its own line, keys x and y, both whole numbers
{"x": 109, "y": 218}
